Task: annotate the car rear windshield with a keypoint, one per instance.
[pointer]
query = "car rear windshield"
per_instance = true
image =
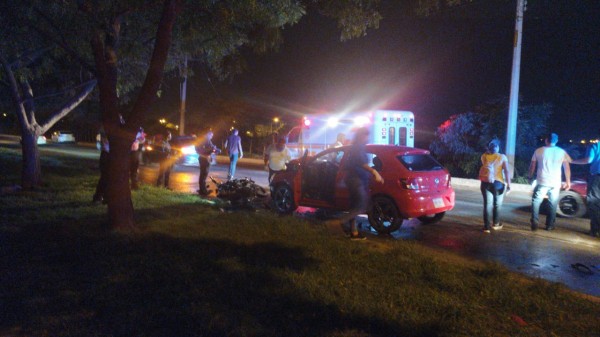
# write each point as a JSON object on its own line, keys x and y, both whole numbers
{"x": 420, "y": 162}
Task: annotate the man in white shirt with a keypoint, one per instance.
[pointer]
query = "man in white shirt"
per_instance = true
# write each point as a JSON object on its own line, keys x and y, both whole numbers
{"x": 549, "y": 159}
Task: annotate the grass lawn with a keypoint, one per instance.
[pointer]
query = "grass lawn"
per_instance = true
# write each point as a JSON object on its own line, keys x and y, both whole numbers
{"x": 192, "y": 270}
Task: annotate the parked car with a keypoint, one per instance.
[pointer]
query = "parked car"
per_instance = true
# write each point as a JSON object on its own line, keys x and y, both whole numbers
{"x": 571, "y": 203}
{"x": 63, "y": 137}
{"x": 416, "y": 185}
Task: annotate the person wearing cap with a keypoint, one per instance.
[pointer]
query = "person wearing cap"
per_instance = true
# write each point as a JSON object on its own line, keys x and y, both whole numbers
{"x": 548, "y": 159}
{"x": 494, "y": 188}
{"x": 278, "y": 156}
{"x": 233, "y": 146}
{"x": 358, "y": 174}
{"x": 592, "y": 157}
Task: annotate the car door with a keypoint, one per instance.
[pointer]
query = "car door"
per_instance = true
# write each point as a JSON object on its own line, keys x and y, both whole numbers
{"x": 319, "y": 179}
{"x": 342, "y": 197}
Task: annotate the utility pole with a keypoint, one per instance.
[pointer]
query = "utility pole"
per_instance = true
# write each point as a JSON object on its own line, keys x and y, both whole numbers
{"x": 183, "y": 93}
{"x": 513, "y": 107}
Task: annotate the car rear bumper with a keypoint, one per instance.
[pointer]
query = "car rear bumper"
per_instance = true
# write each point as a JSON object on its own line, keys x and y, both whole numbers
{"x": 415, "y": 204}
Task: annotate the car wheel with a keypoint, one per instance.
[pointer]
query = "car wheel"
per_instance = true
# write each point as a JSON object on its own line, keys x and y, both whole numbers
{"x": 431, "y": 219}
{"x": 384, "y": 216}
{"x": 570, "y": 205}
{"x": 283, "y": 199}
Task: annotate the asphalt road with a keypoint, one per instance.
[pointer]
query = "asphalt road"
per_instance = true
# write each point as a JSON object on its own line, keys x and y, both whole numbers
{"x": 567, "y": 255}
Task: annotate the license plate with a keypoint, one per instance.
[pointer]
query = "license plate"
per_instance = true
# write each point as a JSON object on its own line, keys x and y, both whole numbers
{"x": 438, "y": 202}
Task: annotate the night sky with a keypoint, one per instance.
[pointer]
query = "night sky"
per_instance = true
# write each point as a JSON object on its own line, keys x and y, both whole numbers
{"x": 438, "y": 66}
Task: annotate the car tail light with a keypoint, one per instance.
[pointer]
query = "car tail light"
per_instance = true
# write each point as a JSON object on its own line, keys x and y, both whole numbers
{"x": 410, "y": 183}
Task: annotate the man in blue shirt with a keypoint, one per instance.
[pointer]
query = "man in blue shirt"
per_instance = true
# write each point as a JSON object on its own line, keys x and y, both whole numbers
{"x": 592, "y": 157}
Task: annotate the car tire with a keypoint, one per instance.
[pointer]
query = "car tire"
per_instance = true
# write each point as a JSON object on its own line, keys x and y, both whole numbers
{"x": 283, "y": 199}
{"x": 431, "y": 219}
{"x": 571, "y": 205}
{"x": 384, "y": 216}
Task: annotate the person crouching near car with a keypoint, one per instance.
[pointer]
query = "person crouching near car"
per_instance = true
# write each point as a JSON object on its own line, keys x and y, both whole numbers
{"x": 278, "y": 156}
{"x": 495, "y": 182}
{"x": 358, "y": 174}
{"x": 165, "y": 162}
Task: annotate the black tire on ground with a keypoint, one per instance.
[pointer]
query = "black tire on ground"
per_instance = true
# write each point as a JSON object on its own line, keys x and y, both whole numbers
{"x": 384, "y": 216}
{"x": 571, "y": 205}
{"x": 283, "y": 199}
{"x": 431, "y": 219}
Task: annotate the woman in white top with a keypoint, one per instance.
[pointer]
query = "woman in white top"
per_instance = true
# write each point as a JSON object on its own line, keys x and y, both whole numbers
{"x": 494, "y": 185}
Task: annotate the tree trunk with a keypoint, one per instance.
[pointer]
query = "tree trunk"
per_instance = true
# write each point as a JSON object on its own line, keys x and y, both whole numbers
{"x": 118, "y": 192}
{"x": 31, "y": 174}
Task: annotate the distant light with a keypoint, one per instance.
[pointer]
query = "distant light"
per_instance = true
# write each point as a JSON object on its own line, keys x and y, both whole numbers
{"x": 332, "y": 122}
{"x": 306, "y": 121}
{"x": 582, "y": 141}
{"x": 276, "y": 120}
{"x": 188, "y": 150}
{"x": 4, "y": 114}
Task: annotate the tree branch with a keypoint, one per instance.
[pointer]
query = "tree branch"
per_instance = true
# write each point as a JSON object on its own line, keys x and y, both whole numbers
{"x": 69, "y": 106}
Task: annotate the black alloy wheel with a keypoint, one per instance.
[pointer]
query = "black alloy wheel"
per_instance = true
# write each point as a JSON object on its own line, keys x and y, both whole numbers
{"x": 384, "y": 216}
{"x": 283, "y": 199}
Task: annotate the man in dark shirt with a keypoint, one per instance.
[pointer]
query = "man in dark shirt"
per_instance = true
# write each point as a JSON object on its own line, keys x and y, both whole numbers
{"x": 357, "y": 181}
{"x": 592, "y": 157}
{"x": 205, "y": 150}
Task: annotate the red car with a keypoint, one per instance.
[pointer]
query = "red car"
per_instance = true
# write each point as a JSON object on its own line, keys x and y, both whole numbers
{"x": 416, "y": 185}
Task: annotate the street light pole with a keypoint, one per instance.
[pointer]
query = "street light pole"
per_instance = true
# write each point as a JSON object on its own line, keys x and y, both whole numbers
{"x": 513, "y": 107}
{"x": 183, "y": 93}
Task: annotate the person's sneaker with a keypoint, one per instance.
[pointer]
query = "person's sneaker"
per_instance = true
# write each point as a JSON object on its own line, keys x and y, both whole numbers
{"x": 357, "y": 237}
{"x": 486, "y": 230}
{"x": 534, "y": 228}
{"x": 551, "y": 228}
{"x": 497, "y": 226}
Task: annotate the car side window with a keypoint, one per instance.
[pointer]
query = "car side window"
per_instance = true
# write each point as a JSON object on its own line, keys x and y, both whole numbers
{"x": 377, "y": 164}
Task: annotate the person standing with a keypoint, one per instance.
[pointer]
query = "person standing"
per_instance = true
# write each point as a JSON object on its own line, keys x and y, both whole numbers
{"x": 549, "y": 159}
{"x": 165, "y": 164}
{"x": 135, "y": 158}
{"x": 495, "y": 183}
{"x": 592, "y": 157}
{"x": 233, "y": 146}
{"x": 205, "y": 150}
{"x": 100, "y": 194}
{"x": 358, "y": 173}
{"x": 278, "y": 156}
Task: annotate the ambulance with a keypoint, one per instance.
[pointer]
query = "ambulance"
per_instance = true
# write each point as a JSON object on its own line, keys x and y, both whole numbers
{"x": 319, "y": 132}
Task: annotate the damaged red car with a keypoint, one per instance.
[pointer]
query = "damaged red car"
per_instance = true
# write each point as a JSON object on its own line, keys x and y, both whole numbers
{"x": 416, "y": 185}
